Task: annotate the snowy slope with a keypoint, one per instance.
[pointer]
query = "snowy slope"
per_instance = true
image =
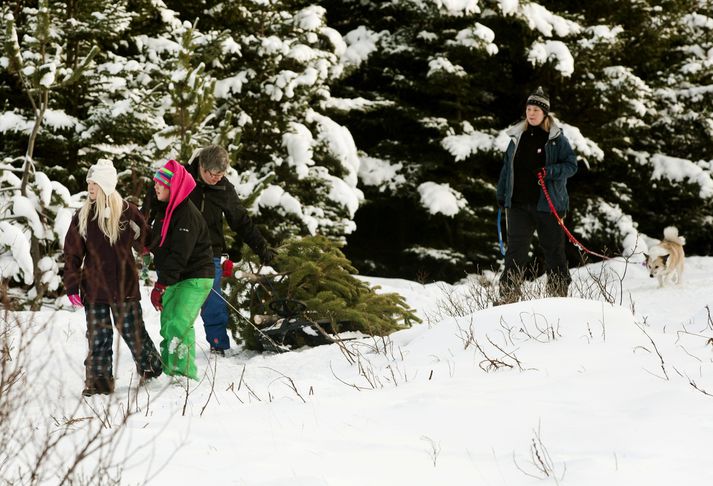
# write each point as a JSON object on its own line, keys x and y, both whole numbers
{"x": 601, "y": 393}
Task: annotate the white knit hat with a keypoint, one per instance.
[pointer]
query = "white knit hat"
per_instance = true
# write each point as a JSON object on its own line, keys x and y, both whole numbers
{"x": 103, "y": 173}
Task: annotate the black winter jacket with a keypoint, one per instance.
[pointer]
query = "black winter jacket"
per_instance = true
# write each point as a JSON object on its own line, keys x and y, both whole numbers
{"x": 220, "y": 200}
{"x": 215, "y": 202}
{"x": 186, "y": 252}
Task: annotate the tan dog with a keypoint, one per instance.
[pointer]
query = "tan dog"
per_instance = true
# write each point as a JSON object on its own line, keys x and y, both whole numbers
{"x": 665, "y": 260}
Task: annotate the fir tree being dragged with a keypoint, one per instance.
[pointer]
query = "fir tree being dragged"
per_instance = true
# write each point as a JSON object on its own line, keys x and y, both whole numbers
{"x": 315, "y": 296}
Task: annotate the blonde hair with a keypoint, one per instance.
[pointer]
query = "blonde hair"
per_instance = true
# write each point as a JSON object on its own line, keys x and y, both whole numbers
{"x": 110, "y": 207}
{"x": 546, "y": 123}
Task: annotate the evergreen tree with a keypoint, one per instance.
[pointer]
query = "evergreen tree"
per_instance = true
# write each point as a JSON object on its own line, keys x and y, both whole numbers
{"x": 70, "y": 137}
{"x": 274, "y": 72}
{"x": 640, "y": 91}
{"x": 157, "y": 98}
{"x": 412, "y": 134}
{"x": 38, "y": 52}
{"x": 445, "y": 79}
{"x": 319, "y": 276}
{"x": 177, "y": 68}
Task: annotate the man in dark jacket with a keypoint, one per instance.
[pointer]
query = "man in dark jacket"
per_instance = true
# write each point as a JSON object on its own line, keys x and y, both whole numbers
{"x": 217, "y": 200}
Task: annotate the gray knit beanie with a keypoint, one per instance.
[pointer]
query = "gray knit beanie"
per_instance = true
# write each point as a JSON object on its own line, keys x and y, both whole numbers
{"x": 540, "y": 99}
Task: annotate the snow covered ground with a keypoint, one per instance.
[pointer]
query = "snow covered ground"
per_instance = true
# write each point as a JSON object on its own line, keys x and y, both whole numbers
{"x": 561, "y": 391}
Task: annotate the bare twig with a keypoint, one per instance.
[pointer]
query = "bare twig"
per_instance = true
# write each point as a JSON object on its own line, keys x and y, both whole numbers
{"x": 509, "y": 354}
{"x": 434, "y": 449}
{"x": 212, "y": 384}
{"x": 663, "y": 367}
{"x": 250, "y": 390}
{"x": 289, "y": 381}
{"x": 231, "y": 388}
{"x": 694, "y": 385}
{"x": 489, "y": 364}
{"x": 542, "y": 464}
{"x": 352, "y": 385}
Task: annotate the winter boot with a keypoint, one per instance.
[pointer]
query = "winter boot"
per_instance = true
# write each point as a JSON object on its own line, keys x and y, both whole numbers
{"x": 510, "y": 288}
{"x": 218, "y": 351}
{"x": 147, "y": 375}
{"x": 99, "y": 385}
{"x": 558, "y": 285}
{"x": 509, "y": 294}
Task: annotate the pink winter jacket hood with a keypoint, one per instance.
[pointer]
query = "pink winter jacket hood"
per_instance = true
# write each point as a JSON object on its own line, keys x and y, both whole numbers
{"x": 180, "y": 183}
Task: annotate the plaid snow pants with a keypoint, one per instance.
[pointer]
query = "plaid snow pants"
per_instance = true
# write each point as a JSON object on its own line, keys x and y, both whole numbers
{"x": 100, "y": 336}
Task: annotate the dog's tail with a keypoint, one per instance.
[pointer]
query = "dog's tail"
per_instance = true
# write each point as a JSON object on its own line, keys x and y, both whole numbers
{"x": 670, "y": 233}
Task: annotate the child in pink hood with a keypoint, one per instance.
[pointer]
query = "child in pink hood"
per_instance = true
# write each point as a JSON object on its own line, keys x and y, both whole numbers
{"x": 184, "y": 263}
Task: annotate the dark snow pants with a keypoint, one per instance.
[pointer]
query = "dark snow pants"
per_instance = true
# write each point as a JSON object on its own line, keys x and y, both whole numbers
{"x": 100, "y": 336}
{"x": 522, "y": 222}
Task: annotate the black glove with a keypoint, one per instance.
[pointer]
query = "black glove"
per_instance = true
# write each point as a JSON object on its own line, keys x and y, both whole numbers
{"x": 268, "y": 255}
{"x": 501, "y": 203}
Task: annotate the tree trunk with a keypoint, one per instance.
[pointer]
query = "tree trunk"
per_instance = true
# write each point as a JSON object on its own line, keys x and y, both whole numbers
{"x": 29, "y": 164}
{"x": 40, "y": 287}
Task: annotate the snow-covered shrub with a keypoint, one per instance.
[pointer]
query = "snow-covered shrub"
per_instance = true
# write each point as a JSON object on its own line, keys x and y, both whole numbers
{"x": 32, "y": 229}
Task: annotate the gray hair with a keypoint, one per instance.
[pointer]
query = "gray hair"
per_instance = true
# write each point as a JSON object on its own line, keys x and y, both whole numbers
{"x": 214, "y": 158}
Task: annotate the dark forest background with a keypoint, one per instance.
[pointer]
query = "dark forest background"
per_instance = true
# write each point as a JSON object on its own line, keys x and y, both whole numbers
{"x": 137, "y": 81}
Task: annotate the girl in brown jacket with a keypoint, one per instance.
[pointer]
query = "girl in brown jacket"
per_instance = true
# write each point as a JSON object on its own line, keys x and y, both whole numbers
{"x": 100, "y": 266}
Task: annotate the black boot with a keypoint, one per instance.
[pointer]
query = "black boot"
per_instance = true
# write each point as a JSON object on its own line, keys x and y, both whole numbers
{"x": 99, "y": 385}
{"x": 150, "y": 374}
{"x": 509, "y": 292}
{"x": 507, "y": 297}
{"x": 510, "y": 288}
{"x": 558, "y": 284}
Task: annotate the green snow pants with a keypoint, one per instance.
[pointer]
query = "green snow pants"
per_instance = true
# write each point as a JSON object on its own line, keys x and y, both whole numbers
{"x": 181, "y": 304}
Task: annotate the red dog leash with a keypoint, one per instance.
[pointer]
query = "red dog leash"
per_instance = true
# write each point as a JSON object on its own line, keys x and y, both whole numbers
{"x": 570, "y": 236}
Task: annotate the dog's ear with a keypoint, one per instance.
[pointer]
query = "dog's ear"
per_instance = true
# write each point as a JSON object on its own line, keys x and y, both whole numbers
{"x": 646, "y": 256}
{"x": 665, "y": 258}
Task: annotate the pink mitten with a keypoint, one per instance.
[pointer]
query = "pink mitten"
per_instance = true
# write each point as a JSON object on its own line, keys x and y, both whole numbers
{"x": 75, "y": 300}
